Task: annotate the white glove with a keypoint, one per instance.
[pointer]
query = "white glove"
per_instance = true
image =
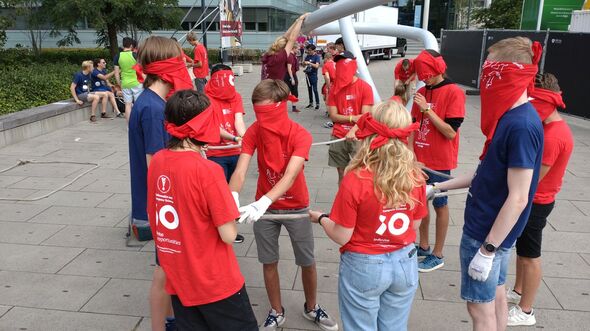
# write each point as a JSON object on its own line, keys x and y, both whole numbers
{"x": 255, "y": 210}
{"x": 292, "y": 81}
{"x": 431, "y": 190}
{"x": 480, "y": 266}
{"x": 236, "y": 196}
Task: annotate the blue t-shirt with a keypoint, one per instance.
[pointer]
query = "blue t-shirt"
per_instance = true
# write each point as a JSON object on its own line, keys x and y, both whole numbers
{"x": 311, "y": 71}
{"x": 517, "y": 143}
{"x": 82, "y": 82}
{"x": 97, "y": 83}
{"x": 146, "y": 136}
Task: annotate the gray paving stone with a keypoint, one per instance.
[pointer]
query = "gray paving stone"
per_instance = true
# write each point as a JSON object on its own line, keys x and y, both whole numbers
{"x": 16, "y": 257}
{"x": 242, "y": 248}
{"x": 4, "y": 309}
{"x": 81, "y": 216}
{"x": 109, "y": 186}
{"x": 9, "y": 180}
{"x": 145, "y": 324}
{"x": 16, "y": 193}
{"x": 583, "y": 206}
{"x": 44, "y": 319}
{"x": 439, "y": 315}
{"x": 115, "y": 160}
{"x": 566, "y": 217}
{"x": 118, "y": 201}
{"x": 40, "y": 183}
{"x": 12, "y": 212}
{"x": 46, "y": 290}
{"x": 252, "y": 271}
{"x": 566, "y": 265}
{"x": 72, "y": 199}
{"x": 441, "y": 285}
{"x": 572, "y": 294}
{"x": 123, "y": 297}
{"x": 90, "y": 237}
{"x": 566, "y": 242}
{"x": 112, "y": 264}
{"x": 45, "y": 170}
{"x": 26, "y": 233}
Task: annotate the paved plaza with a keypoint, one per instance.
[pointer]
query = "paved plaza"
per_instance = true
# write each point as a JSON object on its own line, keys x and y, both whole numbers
{"x": 64, "y": 264}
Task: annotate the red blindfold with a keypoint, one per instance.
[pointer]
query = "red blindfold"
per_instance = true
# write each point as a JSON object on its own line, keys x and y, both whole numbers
{"x": 172, "y": 71}
{"x": 428, "y": 66}
{"x": 203, "y": 127}
{"x": 546, "y": 101}
{"x": 369, "y": 126}
{"x": 345, "y": 71}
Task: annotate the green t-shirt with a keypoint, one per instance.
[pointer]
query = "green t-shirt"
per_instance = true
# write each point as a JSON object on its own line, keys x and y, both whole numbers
{"x": 126, "y": 60}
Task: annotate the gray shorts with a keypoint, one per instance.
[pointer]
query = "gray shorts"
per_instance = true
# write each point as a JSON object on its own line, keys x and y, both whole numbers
{"x": 130, "y": 95}
{"x": 267, "y": 231}
{"x": 340, "y": 153}
{"x": 84, "y": 96}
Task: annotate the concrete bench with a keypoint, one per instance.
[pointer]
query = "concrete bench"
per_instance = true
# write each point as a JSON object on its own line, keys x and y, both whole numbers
{"x": 237, "y": 70}
{"x": 247, "y": 67}
{"x": 33, "y": 122}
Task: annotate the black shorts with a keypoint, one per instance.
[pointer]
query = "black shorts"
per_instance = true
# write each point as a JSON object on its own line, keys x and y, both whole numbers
{"x": 292, "y": 88}
{"x": 232, "y": 314}
{"x": 529, "y": 242}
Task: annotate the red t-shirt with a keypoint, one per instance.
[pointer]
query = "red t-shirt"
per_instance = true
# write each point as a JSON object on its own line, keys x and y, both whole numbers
{"x": 402, "y": 74}
{"x": 228, "y": 116}
{"x": 431, "y": 147}
{"x": 188, "y": 199}
{"x": 297, "y": 196}
{"x": 558, "y": 144}
{"x": 349, "y": 101}
{"x": 275, "y": 66}
{"x": 330, "y": 68}
{"x": 377, "y": 229}
{"x": 201, "y": 55}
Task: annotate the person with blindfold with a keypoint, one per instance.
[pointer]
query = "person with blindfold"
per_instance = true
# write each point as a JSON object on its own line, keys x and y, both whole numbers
{"x": 558, "y": 144}
{"x": 192, "y": 216}
{"x": 282, "y": 147}
{"x": 439, "y": 107}
{"x": 501, "y": 191}
{"x": 349, "y": 98}
{"x": 161, "y": 60}
{"x": 374, "y": 219}
{"x": 405, "y": 74}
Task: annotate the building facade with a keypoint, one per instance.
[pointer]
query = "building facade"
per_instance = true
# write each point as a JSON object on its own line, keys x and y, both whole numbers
{"x": 263, "y": 21}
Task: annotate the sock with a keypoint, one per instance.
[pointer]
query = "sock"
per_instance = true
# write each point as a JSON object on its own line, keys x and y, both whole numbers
{"x": 513, "y": 290}
{"x": 527, "y": 312}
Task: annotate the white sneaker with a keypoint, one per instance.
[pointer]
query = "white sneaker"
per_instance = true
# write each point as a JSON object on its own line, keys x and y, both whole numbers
{"x": 518, "y": 317}
{"x": 512, "y": 297}
{"x": 273, "y": 320}
{"x": 320, "y": 317}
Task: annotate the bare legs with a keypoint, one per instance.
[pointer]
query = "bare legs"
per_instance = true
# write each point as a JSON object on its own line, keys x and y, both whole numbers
{"x": 442, "y": 225}
{"x": 160, "y": 304}
{"x": 273, "y": 285}
{"x": 528, "y": 280}
{"x": 490, "y": 316}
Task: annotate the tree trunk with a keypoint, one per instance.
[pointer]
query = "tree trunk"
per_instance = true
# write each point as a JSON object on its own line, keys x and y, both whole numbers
{"x": 113, "y": 41}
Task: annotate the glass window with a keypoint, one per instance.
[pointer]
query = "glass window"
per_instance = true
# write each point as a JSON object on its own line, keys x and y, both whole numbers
{"x": 250, "y": 26}
{"x": 262, "y": 26}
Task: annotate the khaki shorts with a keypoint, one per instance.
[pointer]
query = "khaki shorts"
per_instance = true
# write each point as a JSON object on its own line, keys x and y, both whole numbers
{"x": 340, "y": 153}
{"x": 267, "y": 231}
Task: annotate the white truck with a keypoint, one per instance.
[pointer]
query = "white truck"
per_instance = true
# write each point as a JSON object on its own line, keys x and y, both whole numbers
{"x": 373, "y": 46}
{"x": 580, "y": 21}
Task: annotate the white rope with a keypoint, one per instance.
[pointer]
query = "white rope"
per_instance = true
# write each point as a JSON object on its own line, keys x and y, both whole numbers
{"x": 438, "y": 173}
{"x": 223, "y": 147}
{"x": 284, "y": 216}
{"x": 328, "y": 142}
{"x": 23, "y": 162}
{"x": 449, "y": 193}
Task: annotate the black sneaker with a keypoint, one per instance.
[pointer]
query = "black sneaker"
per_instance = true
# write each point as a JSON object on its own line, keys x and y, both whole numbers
{"x": 171, "y": 324}
{"x": 309, "y": 106}
{"x": 239, "y": 239}
{"x": 317, "y": 107}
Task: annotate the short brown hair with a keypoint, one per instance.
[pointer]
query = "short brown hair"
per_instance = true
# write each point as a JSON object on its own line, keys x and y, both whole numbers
{"x": 517, "y": 49}
{"x": 547, "y": 81}
{"x": 182, "y": 107}
{"x": 156, "y": 48}
{"x": 270, "y": 89}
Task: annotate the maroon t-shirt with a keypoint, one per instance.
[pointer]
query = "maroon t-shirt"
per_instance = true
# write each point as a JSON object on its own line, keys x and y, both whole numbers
{"x": 274, "y": 66}
{"x": 294, "y": 63}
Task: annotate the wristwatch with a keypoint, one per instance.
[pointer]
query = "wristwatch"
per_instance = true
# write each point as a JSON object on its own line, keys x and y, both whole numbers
{"x": 489, "y": 247}
{"x": 425, "y": 110}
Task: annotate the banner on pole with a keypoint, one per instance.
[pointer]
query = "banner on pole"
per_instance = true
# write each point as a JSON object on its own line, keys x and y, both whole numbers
{"x": 230, "y": 23}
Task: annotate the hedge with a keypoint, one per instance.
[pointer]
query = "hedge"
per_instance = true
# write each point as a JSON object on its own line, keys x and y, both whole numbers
{"x": 28, "y": 81}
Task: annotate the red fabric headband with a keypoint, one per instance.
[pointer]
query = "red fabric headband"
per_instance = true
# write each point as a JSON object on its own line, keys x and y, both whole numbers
{"x": 546, "y": 101}
{"x": 368, "y": 126}
{"x": 428, "y": 66}
{"x": 203, "y": 127}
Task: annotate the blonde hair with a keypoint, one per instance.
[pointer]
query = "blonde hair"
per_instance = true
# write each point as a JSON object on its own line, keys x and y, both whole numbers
{"x": 394, "y": 167}
{"x": 517, "y": 49}
{"x": 278, "y": 45}
{"x": 86, "y": 65}
{"x": 400, "y": 91}
{"x": 270, "y": 89}
{"x": 191, "y": 36}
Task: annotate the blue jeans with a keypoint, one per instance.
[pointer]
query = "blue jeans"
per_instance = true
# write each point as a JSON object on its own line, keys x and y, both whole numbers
{"x": 473, "y": 290}
{"x": 228, "y": 163}
{"x": 312, "y": 89}
{"x": 375, "y": 292}
{"x": 434, "y": 178}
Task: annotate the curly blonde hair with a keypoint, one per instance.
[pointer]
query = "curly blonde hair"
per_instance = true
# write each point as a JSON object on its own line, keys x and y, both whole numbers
{"x": 394, "y": 167}
{"x": 278, "y": 45}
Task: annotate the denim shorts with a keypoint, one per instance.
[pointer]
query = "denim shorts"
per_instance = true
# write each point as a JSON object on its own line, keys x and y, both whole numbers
{"x": 473, "y": 290}
{"x": 434, "y": 178}
{"x": 131, "y": 94}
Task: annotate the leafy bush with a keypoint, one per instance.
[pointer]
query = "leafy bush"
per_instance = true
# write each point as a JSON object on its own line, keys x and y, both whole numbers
{"x": 33, "y": 85}
{"x": 24, "y": 56}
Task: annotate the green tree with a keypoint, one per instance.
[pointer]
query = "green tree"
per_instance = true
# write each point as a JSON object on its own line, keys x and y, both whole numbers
{"x": 4, "y": 24}
{"x": 111, "y": 17}
{"x": 36, "y": 22}
{"x": 502, "y": 14}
